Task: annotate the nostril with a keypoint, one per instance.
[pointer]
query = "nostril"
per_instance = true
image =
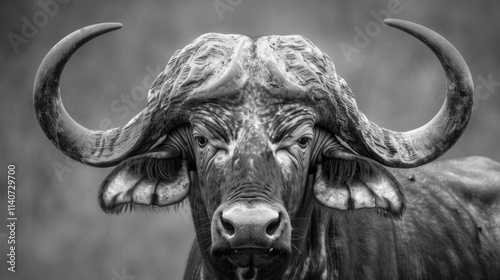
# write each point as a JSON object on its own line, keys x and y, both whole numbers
{"x": 227, "y": 226}
{"x": 273, "y": 226}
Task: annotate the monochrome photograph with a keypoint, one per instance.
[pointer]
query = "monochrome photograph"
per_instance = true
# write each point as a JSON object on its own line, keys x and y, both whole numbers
{"x": 250, "y": 140}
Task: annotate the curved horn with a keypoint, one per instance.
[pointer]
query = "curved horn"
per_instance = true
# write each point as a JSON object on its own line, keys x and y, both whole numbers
{"x": 428, "y": 142}
{"x": 96, "y": 148}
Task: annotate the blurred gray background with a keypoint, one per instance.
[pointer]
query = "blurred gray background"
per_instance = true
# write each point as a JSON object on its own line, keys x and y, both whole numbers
{"x": 62, "y": 233}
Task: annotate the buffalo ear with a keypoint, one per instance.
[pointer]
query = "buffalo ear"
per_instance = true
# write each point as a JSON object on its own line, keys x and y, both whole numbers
{"x": 350, "y": 182}
{"x": 147, "y": 181}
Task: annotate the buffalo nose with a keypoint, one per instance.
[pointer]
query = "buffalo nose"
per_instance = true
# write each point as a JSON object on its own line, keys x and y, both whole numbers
{"x": 251, "y": 226}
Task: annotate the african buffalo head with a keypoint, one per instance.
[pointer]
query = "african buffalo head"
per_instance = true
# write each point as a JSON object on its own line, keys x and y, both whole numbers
{"x": 259, "y": 134}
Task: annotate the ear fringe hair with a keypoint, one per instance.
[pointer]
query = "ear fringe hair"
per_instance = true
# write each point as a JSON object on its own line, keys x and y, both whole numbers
{"x": 339, "y": 171}
{"x": 131, "y": 207}
{"x": 154, "y": 168}
{"x": 164, "y": 169}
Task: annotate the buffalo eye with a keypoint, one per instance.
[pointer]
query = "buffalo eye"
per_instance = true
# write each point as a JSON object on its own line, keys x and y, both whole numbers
{"x": 202, "y": 141}
{"x": 303, "y": 141}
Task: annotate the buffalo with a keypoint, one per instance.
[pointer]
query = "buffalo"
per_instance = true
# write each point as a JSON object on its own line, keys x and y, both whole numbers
{"x": 285, "y": 177}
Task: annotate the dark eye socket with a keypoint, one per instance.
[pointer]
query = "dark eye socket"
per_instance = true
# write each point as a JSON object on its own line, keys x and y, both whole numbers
{"x": 202, "y": 141}
{"x": 303, "y": 141}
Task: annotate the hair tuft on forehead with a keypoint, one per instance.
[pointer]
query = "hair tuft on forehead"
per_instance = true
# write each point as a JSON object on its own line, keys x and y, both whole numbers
{"x": 200, "y": 65}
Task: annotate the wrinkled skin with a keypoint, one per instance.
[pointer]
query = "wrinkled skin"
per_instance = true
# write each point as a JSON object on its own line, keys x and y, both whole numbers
{"x": 252, "y": 153}
{"x": 450, "y": 230}
{"x": 266, "y": 142}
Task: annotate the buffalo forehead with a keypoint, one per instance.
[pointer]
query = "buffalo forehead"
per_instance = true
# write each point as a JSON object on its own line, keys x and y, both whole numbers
{"x": 272, "y": 77}
{"x": 228, "y": 66}
{"x": 252, "y": 118}
{"x": 293, "y": 68}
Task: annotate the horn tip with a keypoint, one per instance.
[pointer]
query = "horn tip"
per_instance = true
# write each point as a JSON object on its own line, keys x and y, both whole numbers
{"x": 103, "y": 27}
{"x": 114, "y": 25}
{"x": 394, "y": 22}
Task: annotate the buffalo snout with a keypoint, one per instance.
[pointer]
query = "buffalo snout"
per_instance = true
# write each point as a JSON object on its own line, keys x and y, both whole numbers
{"x": 251, "y": 234}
